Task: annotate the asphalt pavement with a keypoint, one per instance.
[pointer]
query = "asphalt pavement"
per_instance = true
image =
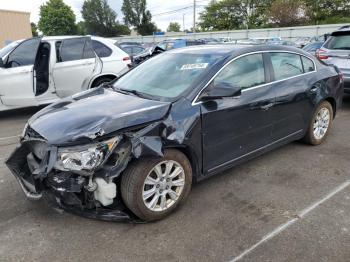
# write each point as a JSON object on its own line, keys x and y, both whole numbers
{"x": 292, "y": 204}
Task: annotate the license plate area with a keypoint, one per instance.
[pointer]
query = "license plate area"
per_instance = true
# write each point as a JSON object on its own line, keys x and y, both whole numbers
{"x": 343, "y": 63}
{"x": 17, "y": 163}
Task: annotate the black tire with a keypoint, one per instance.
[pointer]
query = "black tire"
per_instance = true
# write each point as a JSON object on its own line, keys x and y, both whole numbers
{"x": 132, "y": 185}
{"x": 310, "y": 137}
{"x": 100, "y": 81}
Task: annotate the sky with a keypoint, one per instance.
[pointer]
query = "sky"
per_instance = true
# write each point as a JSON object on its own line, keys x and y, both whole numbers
{"x": 157, "y": 8}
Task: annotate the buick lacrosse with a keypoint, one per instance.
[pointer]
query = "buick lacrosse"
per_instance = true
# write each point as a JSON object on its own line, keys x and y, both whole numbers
{"x": 131, "y": 149}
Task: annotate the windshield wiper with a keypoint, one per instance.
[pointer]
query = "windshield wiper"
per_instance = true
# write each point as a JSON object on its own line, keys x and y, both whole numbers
{"x": 134, "y": 92}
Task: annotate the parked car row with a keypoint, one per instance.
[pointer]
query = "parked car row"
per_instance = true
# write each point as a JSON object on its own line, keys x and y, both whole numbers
{"x": 136, "y": 48}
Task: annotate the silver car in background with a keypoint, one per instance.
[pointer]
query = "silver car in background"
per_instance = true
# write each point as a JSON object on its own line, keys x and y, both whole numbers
{"x": 336, "y": 51}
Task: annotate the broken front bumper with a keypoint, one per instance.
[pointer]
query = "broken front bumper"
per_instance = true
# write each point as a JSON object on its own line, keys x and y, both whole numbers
{"x": 62, "y": 190}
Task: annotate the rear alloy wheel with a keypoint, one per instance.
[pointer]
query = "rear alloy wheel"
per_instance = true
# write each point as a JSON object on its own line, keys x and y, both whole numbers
{"x": 153, "y": 188}
{"x": 320, "y": 124}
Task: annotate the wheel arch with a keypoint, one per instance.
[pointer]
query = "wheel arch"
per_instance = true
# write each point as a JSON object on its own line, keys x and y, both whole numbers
{"x": 191, "y": 156}
{"x": 98, "y": 77}
{"x": 333, "y": 103}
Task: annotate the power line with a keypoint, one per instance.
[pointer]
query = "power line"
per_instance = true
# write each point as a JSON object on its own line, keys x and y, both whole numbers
{"x": 173, "y": 11}
{"x": 176, "y": 10}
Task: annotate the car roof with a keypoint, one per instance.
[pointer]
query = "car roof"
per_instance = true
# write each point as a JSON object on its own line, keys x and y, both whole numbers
{"x": 344, "y": 31}
{"x": 63, "y": 37}
{"x": 131, "y": 45}
{"x": 234, "y": 50}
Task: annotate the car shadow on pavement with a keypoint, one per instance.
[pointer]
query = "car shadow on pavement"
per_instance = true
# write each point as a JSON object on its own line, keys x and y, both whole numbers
{"x": 19, "y": 113}
{"x": 346, "y": 102}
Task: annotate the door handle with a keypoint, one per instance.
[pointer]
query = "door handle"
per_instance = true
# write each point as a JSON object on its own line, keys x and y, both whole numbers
{"x": 314, "y": 89}
{"x": 89, "y": 63}
{"x": 267, "y": 107}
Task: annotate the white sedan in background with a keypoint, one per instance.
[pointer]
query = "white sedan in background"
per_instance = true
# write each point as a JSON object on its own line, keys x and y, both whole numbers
{"x": 39, "y": 71}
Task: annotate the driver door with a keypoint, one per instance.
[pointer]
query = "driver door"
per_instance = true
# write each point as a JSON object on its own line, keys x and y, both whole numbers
{"x": 17, "y": 80}
{"x": 235, "y": 127}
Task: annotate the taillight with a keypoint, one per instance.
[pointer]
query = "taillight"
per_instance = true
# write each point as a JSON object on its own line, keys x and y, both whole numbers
{"x": 126, "y": 58}
{"x": 341, "y": 77}
{"x": 320, "y": 54}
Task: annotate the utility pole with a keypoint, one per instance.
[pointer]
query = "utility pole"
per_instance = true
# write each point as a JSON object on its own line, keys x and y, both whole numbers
{"x": 194, "y": 16}
{"x": 183, "y": 22}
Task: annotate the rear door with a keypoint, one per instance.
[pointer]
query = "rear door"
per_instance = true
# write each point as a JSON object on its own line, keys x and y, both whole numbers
{"x": 17, "y": 79}
{"x": 75, "y": 65}
{"x": 292, "y": 84}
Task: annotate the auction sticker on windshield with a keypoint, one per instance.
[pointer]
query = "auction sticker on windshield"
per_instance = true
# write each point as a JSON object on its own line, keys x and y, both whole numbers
{"x": 194, "y": 66}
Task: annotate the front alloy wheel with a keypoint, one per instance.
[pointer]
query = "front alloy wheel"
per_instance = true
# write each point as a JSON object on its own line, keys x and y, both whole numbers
{"x": 153, "y": 188}
{"x": 163, "y": 185}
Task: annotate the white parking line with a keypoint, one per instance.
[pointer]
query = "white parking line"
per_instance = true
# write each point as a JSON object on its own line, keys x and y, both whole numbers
{"x": 290, "y": 222}
{"x": 9, "y": 137}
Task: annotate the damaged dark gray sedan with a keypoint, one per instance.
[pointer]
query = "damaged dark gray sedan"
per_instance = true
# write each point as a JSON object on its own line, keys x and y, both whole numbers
{"x": 130, "y": 150}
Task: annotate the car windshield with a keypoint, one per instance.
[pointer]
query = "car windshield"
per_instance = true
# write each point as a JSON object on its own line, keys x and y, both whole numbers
{"x": 168, "y": 75}
{"x": 5, "y": 50}
{"x": 339, "y": 42}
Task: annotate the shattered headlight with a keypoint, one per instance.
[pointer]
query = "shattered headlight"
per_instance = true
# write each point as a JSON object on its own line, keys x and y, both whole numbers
{"x": 87, "y": 157}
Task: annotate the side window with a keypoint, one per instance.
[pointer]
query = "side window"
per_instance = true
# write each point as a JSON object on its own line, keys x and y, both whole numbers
{"x": 100, "y": 49}
{"x": 308, "y": 64}
{"x": 71, "y": 49}
{"x": 286, "y": 65}
{"x": 24, "y": 54}
{"x": 137, "y": 50}
{"x": 128, "y": 50}
{"x": 245, "y": 72}
{"x": 88, "y": 51}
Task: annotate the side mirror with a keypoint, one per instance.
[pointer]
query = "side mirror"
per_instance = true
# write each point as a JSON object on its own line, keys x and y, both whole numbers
{"x": 2, "y": 65}
{"x": 220, "y": 90}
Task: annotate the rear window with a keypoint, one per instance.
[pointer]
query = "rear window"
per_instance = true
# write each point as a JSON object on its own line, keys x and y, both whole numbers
{"x": 308, "y": 64}
{"x": 286, "y": 65}
{"x": 101, "y": 49}
{"x": 339, "y": 42}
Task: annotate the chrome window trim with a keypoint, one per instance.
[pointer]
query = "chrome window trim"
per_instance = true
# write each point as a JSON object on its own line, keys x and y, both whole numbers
{"x": 195, "y": 102}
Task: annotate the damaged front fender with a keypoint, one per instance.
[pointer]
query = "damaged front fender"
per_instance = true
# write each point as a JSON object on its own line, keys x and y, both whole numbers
{"x": 34, "y": 163}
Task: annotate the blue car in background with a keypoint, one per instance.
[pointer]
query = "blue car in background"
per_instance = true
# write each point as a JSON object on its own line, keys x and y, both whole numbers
{"x": 313, "y": 47}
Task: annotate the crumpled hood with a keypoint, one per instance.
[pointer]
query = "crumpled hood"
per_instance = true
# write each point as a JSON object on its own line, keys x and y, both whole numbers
{"x": 94, "y": 113}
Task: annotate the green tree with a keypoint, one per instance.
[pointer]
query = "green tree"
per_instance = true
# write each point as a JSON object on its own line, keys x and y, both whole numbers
{"x": 56, "y": 18}
{"x": 34, "y": 29}
{"x": 81, "y": 28}
{"x": 324, "y": 11}
{"x": 234, "y": 14}
{"x": 136, "y": 15}
{"x": 287, "y": 13}
{"x": 122, "y": 29}
{"x": 174, "y": 27}
{"x": 100, "y": 18}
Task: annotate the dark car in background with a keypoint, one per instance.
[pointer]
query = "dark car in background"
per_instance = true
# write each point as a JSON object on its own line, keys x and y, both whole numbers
{"x": 178, "y": 43}
{"x": 336, "y": 51}
{"x": 133, "y": 50}
{"x": 134, "y": 147}
{"x": 121, "y": 44}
